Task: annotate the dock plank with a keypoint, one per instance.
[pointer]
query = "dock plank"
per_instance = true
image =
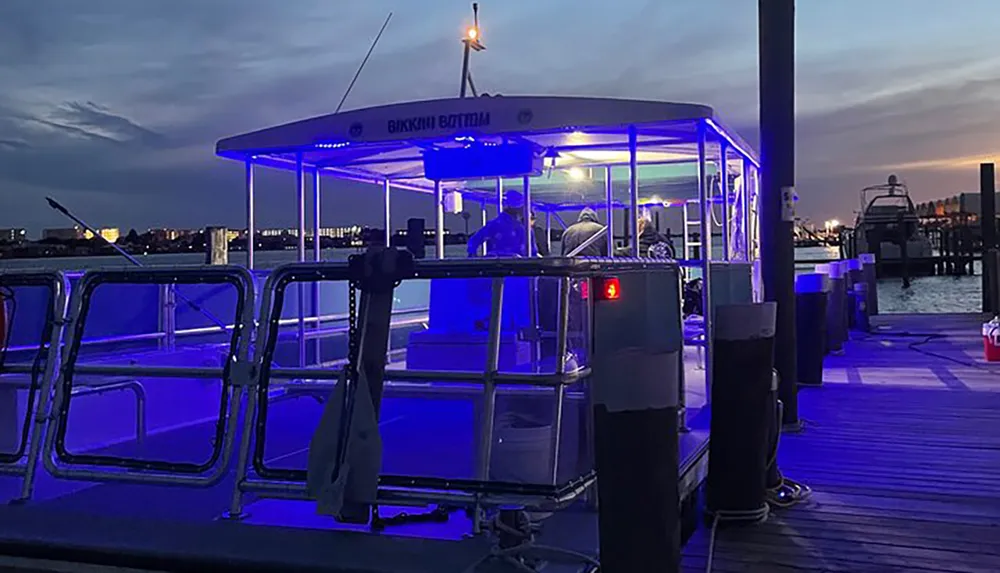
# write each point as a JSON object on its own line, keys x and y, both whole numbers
{"x": 902, "y": 449}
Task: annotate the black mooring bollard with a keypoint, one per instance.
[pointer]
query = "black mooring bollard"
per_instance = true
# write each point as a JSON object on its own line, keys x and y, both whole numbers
{"x": 835, "y": 313}
{"x": 861, "y": 320}
{"x": 871, "y": 279}
{"x": 811, "y": 292}
{"x": 741, "y": 389}
{"x": 854, "y": 275}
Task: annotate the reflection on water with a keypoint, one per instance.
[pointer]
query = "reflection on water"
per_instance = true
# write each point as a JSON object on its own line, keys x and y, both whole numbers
{"x": 926, "y": 294}
{"x": 932, "y": 294}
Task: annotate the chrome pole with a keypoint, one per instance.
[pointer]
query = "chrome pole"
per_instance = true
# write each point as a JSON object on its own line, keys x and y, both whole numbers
{"x": 483, "y": 220}
{"x": 562, "y": 350}
{"x": 529, "y": 234}
{"x": 386, "y": 215}
{"x": 724, "y": 189}
{"x": 745, "y": 208}
{"x": 609, "y": 197}
{"x": 706, "y": 258}
{"x": 438, "y": 221}
{"x": 633, "y": 187}
{"x": 300, "y": 185}
{"x": 317, "y": 219}
{"x": 485, "y": 448}
{"x": 251, "y": 223}
{"x": 317, "y": 256}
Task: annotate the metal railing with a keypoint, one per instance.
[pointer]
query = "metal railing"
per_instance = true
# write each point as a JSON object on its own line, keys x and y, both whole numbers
{"x": 41, "y": 371}
{"x": 290, "y": 484}
{"x": 235, "y": 375}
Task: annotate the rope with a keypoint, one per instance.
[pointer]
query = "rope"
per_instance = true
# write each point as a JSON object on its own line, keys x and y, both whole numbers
{"x": 927, "y": 339}
{"x": 784, "y": 495}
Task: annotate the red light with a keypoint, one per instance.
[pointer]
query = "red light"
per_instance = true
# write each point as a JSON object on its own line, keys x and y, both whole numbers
{"x": 584, "y": 290}
{"x": 608, "y": 288}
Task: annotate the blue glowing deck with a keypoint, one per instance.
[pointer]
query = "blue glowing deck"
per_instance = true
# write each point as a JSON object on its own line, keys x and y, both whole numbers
{"x": 901, "y": 449}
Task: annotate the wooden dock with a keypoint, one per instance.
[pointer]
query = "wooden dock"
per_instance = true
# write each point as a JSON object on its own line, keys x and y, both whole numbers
{"x": 901, "y": 447}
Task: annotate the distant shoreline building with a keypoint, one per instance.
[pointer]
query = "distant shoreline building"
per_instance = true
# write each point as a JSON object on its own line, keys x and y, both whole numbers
{"x": 13, "y": 235}
{"x": 63, "y": 234}
{"x": 963, "y": 205}
{"x": 109, "y": 234}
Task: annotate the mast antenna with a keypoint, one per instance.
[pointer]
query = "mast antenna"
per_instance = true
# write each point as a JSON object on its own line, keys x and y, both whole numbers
{"x": 473, "y": 42}
{"x": 363, "y": 62}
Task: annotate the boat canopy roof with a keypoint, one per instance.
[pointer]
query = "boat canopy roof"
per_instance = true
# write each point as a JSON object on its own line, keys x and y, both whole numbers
{"x": 577, "y": 137}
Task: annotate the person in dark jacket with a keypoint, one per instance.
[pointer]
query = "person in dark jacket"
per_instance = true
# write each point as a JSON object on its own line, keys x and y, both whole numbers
{"x": 538, "y": 232}
{"x": 504, "y": 235}
{"x": 652, "y": 244}
{"x": 578, "y": 233}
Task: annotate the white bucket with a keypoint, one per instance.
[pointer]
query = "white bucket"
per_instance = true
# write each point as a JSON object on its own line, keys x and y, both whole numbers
{"x": 521, "y": 455}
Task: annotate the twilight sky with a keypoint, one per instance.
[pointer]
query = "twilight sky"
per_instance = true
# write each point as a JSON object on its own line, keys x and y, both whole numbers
{"x": 114, "y": 106}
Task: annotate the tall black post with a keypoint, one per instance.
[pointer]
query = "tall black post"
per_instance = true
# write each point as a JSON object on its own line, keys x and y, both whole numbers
{"x": 777, "y": 146}
{"x": 988, "y": 220}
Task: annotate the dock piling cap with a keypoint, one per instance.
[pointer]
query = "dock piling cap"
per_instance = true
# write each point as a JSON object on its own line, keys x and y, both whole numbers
{"x": 812, "y": 283}
{"x": 837, "y": 270}
{"x": 854, "y": 264}
{"x": 867, "y": 258}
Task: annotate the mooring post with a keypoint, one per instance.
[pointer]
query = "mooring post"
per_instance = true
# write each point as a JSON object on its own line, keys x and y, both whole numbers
{"x": 776, "y": 21}
{"x": 988, "y": 220}
{"x": 216, "y": 246}
{"x": 904, "y": 252}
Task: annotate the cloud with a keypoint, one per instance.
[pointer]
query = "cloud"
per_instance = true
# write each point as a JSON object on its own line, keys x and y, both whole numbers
{"x": 116, "y": 105}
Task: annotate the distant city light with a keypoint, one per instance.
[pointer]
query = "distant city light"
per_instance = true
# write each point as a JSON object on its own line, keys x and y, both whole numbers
{"x": 831, "y": 224}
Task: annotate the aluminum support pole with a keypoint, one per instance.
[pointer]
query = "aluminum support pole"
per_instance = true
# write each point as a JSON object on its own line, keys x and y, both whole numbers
{"x": 251, "y": 223}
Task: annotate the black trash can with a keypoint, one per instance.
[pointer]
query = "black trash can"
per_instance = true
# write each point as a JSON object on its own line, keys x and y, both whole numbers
{"x": 811, "y": 291}
{"x": 741, "y": 391}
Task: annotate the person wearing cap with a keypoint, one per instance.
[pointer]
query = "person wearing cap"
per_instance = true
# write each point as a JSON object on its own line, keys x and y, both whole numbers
{"x": 504, "y": 235}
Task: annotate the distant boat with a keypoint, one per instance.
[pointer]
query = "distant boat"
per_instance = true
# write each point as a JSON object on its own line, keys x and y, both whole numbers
{"x": 887, "y": 220}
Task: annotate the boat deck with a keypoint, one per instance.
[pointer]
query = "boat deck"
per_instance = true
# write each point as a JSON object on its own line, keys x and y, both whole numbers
{"x": 901, "y": 447}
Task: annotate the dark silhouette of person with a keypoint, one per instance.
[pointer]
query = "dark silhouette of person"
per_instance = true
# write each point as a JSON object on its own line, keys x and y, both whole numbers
{"x": 586, "y": 225}
{"x": 504, "y": 235}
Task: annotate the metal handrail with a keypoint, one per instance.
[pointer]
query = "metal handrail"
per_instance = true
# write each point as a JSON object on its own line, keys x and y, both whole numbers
{"x": 58, "y": 286}
{"x": 203, "y": 330}
{"x": 496, "y": 269}
{"x": 234, "y": 382}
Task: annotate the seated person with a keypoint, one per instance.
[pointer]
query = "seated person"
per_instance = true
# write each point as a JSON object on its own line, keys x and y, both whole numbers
{"x": 651, "y": 243}
{"x": 504, "y": 235}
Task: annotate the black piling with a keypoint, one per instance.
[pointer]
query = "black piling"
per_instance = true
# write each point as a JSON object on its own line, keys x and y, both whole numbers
{"x": 904, "y": 252}
{"x": 776, "y": 21}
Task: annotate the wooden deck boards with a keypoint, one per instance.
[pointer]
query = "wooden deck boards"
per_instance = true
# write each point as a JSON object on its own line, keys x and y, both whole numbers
{"x": 902, "y": 450}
